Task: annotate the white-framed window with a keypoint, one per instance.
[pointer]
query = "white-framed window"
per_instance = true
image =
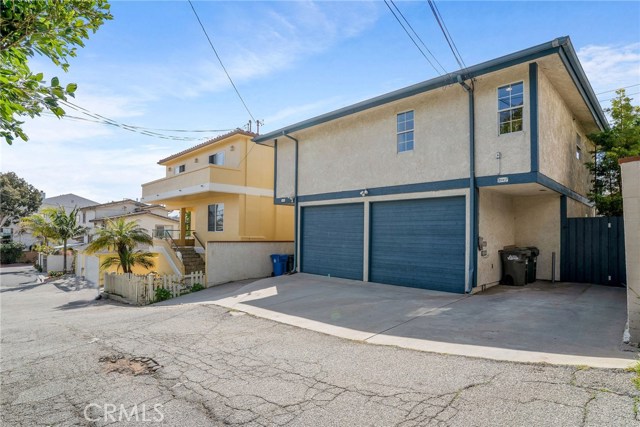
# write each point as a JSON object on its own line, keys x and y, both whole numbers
{"x": 510, "y": 107}
{"x": 216, "y": 217}
{"x": 179, "y": 169}
{"x": 217, "y": 159}
{"x": 404, "y": 129}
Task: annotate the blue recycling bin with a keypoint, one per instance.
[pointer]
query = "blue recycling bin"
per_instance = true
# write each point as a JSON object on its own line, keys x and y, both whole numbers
{"x": 279, "y": 262}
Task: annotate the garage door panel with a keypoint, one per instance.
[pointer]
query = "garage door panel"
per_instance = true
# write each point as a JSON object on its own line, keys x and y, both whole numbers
{"x": 419, "y": 243}
{"x": 332, "y": 239}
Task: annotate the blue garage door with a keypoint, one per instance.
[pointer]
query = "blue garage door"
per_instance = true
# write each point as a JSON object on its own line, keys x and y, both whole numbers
{"x": 332, "y": 240}
{"x": 419, "y": 243}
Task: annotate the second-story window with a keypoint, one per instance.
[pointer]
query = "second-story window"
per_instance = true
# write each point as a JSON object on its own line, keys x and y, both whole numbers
{"x": 217, "y": 159}
{"x": 216, "y": 217}
{"x": 179, "y": 169}
{"x": 405, "y": 131}
{"x": 510, "y": 106}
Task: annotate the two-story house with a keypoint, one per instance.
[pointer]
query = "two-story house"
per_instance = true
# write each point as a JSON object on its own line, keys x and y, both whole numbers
{"x": 223, "y": 189}
{"x": 423, "y": 186}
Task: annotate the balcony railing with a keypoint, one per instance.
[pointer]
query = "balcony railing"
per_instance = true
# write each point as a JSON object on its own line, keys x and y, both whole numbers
{"x": 192, "y": 182}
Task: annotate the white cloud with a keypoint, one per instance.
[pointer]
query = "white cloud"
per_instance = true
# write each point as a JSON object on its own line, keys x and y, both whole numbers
{"x": 611, "y": 66}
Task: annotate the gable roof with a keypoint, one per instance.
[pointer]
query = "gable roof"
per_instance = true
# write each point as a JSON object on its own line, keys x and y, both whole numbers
{"x": 237, "y": 131}
{"x": 561, "y": 46}
{"x": 68, "y": 200}
{"x": 118, "y": 202}
{"x": 130, "y": 214}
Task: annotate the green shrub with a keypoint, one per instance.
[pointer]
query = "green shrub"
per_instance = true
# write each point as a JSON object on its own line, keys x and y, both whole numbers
{"x": 56, "y": 274}
{"x": 10, "y": 252}
{"x": 196, "y": 287}
{"x": 162, "y": 294}
{"x": 38, "y": 267}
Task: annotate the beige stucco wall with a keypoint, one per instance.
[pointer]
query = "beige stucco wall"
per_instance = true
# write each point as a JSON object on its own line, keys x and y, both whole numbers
{"x": 286, "y": 168}
{"x": 496, "y": 225}
{"x": 577, "y": 209}
{"x": 538, "y": 224}
{"x": 227, "y": 262}
{"x": 360, "y": 151}
{"x": 557, "y": 140}
{"x": 233, "y": 148}
{"x": 514, "y": 147}
{"x": 631, "y": 200}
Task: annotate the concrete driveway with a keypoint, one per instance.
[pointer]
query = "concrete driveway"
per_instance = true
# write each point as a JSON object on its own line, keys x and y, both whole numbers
{"x": 565, "y": 323}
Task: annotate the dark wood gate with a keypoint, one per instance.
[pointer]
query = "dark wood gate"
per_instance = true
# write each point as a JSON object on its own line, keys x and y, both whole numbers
{"x": 593, "y": 251}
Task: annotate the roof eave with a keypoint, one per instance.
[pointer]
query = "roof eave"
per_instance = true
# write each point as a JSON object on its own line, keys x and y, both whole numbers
{"x": 529, "y": 54}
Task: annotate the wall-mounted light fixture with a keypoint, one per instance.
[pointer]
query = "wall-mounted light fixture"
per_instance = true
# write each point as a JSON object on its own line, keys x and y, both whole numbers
{"x": 364, "y": 192}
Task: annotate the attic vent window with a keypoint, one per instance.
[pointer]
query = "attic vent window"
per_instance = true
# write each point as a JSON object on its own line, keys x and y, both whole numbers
{"x": 510, "y": 106}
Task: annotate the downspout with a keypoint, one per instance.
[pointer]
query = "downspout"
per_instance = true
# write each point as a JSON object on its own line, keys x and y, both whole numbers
{"x": 295, "y": 204}
{"x": 473, "y": 208}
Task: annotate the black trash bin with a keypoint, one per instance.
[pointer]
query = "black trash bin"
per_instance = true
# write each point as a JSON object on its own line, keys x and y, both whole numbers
{"x": 532, "y": 265}
{"x": 289, "y": 263}
{"x": 514, "y": 266}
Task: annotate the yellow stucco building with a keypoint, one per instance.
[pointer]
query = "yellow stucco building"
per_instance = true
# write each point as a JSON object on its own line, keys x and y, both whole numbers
{"x": 223, "y": 189}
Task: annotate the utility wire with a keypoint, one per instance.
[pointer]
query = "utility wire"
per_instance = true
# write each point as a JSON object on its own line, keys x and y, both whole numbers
{"x": 412, "y": 39}
{"x": 97, "y": 118}
{"x": 220, "y": 60}
{"x": 447, "y": 35}
{"x": 613, "y": 90}
{"x": 418, "y": 36}
{"x": 615, "y": 97}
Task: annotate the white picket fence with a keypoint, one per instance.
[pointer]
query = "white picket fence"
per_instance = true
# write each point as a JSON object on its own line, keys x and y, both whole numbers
{"x": 141, "y": 290}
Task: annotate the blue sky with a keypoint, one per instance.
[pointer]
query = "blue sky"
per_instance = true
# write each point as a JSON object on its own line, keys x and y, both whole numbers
{"x": 152, "y": 67}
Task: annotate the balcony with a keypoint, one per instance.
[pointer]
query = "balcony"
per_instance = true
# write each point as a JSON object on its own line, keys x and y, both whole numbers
{"x": 207, "y": 179}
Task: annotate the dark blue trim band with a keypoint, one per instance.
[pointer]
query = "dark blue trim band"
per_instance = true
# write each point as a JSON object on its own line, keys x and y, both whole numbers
{"x": 451, "y": 184}
{"x": 533, "y": 114}
{"x": 556, "y": 186}
{"x": 275, "y": 170}
{"x": 516, "y": 178}
{"x": 564, "y": 243}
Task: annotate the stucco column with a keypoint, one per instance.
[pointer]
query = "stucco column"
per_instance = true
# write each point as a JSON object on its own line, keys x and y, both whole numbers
{"x": 183, "y": 231}
{"x": 631, "y": 199}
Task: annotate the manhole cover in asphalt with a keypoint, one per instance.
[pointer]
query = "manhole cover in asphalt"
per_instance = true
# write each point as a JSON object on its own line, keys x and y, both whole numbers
{"x": 129, "y": 365}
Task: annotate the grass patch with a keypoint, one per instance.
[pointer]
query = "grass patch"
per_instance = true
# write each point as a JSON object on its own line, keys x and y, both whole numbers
{"x": 636, "y": 379}
{"x": 583, "y": 367}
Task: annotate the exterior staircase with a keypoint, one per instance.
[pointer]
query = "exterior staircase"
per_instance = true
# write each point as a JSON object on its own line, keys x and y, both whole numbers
{"x": 192, "y": 260}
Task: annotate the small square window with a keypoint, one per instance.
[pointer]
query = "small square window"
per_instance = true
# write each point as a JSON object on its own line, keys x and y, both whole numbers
{"x": 179, "y": 169}
{"x": 217, "y": 159}
{"x": 404, "y": 129}
{"x": 510, "y": 107}
{"x": 578, "y": 153}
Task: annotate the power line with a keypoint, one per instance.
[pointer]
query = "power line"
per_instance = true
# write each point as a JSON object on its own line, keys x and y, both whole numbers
{"x": 412, "y": 39}
{"x": 613, "y": 90}
{"x": 447, "y": 35}
{"x": 615, "y": 97}
{"x": 418, "y": 36}
{"x": 98, "y": 118}
{"x": 220, "y": 60}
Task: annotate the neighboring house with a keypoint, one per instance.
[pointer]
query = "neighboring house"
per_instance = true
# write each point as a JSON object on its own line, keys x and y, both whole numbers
{"x": 153, "y": 218}
{"x": 67, "y": 201}
{"x": 223, "y": 189}
{"x": 423, "y": 186}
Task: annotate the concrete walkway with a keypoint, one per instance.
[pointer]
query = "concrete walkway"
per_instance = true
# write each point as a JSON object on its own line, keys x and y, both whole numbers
{"x": 565, "y": 323}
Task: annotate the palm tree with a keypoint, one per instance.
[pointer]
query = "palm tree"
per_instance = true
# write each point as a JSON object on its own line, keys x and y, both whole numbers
{"x": 65, "y": 226}
{"x": 128, "y": 260}
{"x": 122, "y": 237}
{"x": 39, "y": 225}
{"x": 55, "y": 224}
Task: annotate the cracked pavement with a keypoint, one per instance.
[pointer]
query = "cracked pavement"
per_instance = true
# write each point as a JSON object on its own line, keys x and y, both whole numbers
{"x": 221, "y": 367}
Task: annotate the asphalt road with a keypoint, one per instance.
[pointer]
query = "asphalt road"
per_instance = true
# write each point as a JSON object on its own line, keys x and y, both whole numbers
{"x": 67, "y": 360}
